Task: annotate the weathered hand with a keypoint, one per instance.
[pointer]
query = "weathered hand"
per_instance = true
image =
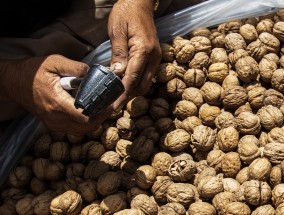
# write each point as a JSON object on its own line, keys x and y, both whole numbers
{"x": 34, "y": 84}
{"x": 136, "y": 50}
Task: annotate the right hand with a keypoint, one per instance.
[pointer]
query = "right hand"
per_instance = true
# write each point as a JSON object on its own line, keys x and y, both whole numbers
{"x": 34, "y": 84}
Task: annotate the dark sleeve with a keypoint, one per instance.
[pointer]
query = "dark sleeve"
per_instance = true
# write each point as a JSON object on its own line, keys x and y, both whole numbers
{"x": 19, "y": 18}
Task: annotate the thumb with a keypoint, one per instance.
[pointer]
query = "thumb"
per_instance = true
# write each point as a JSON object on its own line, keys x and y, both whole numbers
{"x": 66, "y": 67}
{"x": 119, "y": 56}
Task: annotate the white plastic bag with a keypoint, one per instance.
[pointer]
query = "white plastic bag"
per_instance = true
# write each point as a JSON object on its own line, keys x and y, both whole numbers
{"x": 209, "y": 13}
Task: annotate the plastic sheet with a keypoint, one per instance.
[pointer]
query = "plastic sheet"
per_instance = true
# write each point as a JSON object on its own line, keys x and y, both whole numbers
{"x": 206, "y": 14}
{"x": 23, "y": 131}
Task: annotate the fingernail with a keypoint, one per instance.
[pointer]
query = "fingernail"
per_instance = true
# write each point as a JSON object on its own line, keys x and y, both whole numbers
{"x": 117, "y": 66}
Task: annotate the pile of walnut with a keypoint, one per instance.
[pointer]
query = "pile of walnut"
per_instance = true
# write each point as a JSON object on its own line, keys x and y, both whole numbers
{"x": 207, "y": 139}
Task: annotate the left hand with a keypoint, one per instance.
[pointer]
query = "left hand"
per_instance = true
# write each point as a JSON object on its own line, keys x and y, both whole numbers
{"x": 136, "y": 51}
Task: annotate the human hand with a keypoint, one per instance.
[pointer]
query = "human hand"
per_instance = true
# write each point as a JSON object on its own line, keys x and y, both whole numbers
{"x": 34, "y": 83}
{"x": 136, "y": 50}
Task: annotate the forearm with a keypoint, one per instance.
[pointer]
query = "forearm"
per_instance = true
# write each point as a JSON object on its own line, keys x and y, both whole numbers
{"x": 6, "y": 80}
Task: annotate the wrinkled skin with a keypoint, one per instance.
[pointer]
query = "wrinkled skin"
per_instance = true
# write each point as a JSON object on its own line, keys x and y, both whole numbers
{"x": 136, "y": 51}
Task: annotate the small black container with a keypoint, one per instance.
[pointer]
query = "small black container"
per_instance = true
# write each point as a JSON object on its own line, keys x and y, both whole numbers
{"x": 99, "y": 88}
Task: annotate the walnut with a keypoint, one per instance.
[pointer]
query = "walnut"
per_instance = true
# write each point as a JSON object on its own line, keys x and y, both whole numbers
{"x": 184, "y": 51}
{"x": 134, "y": 191}
{"x": 145, "y": 204}
{"x": 24, "y": 206}
{"x": 264, "y": 210}
{"x": 217, "y": 40}
{"x": 231, "y": 80}
{"x": 122, "y": 147}
{"x": 279, "y": 209}
{"x": 265, "y": 25}
{"x": 257, "y": 50}
{"x": 221, "y": 200}
{"x": 219, "y": 55}
{"x": 236, "y": 55}
{"x": 92, "y": 209}
{"x": 208, "y": 114}
{"x": 280, "y": 13}
{"x": 231, "y": 164}
{"x": 260, "y": 169}
{"x": 252, "y": 21}
{"x": 26, "y": 160}
{"x": 201, "y": 208}
{"x": 96, "y": 133}
{"x": 184, "y": 109}
{"x": 69, "y": 202}
{"x": 145, "y": 176}
{"x": 194, "y": 95}
{"x": 224, "y": 120}
{"x": 175, "y": 88}
{"x": 194, "y": 77}
{"x": 137, "y": 106}
{"x": 257, "y": 192}
{"x": 72, "y": 183}
{"x": 278, "y": 30}
{"x": 74, "y": 139}
{"x": 234, "y": 41}
{"x": 113, "y": 203}
{"x": 42, "y": 145}
{"x": 231, "y": 185}
{"x": 270, "y": 117}
{"x": 141, "y": 149}
{"x": 270, "y": 41}
{"x": 281, "y": 60}
{"x": 92, "y": 150}
{"x": 256, "y": 97}
{"x": 164, "y": 125}
{"x": 20, "y": 176}
{"x": 247, "y": 69}
{"x": 227, "y": 139}
{"x": 217, "y": 72}
{"x": 88, "y": 190}
{"x": 159, "y": 108}
{"x": 243, "y": 175}
{"x": 209, "y": 186}
{"x": 39, "y": 167}
{"x": 13, "y": 194}
{"x": 244, "y": 108}
{"x": 237, "y": 208}
{"x": 38, "y": 186}
{"x": 182, "y": 170}
{"x": 200, "y": 61}
{"x": 126, "y": 128}
{"x": 110, "y": 138}
{"x": 108, "y": 183}
{"x": 214, "y": 159}
{"x": 273, "y": 97}
{"x": 182, "y": 193}
{"x": 172, "y": 208}
{"x": 112, "y": 159}
{"x": 275, "y": 176}
{"x": 201, "y": 44}
{"x": 143, "y": 122}
{"x": 248, "y": 123}
{"x": 211, "y": 92}
{"x": 248, "y": 32}
{"x": 248, "y": 149}
{"x": 274, "y": 152}
{"x": 165, "y": 72}
{"x": 177, "y": 140}
{"x": 59, "y": 151}
{"x": 161, "y": 162}
{"x": 129, "y": 165}
{"x": 277, "y": 80}
{"x": 208, "y": 171}
{"x": 167, "y": 52}
{"x": 129, "y": 212}
{"x": 276, "y": 135}
{"x": 160, "y": 187}
{"x": 54, "y": 171}
{"x": 95, "y": 169}
{"x": 234, "y": 97}
{"x": 267, "y": 65}
{"x": 232, "y": 26}
{"x": 205, "y": 32}
{"x": 203, "y": 137}
{"x": 277, "y": 195}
